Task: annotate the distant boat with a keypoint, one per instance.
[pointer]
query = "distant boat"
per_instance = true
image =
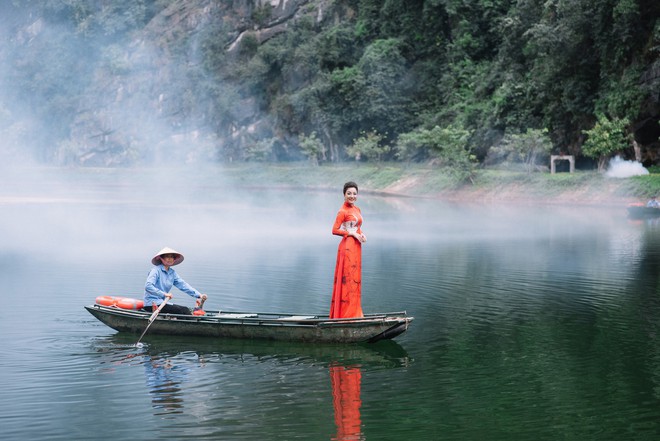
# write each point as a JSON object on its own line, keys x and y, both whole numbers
{"x": 641, "y": 211}
{"x": 270, "y": 326}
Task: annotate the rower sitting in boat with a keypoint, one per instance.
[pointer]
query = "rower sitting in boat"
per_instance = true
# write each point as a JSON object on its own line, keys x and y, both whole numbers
{"x": 653, "y": 203}
{"x": 160, "y": 280}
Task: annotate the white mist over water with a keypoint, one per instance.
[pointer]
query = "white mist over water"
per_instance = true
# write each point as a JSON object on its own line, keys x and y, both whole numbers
{"x": 620, "y": 168}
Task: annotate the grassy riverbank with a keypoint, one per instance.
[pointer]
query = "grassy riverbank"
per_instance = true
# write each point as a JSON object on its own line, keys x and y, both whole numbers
{"x": 581, "y": 187}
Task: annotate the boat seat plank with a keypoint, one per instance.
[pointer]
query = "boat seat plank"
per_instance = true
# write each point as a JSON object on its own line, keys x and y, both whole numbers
{"x": 237, "y": 315}
{"x": 297, "y": 317}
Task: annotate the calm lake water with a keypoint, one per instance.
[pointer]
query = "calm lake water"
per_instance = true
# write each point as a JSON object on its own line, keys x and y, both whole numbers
{"x": 531, "y": 322}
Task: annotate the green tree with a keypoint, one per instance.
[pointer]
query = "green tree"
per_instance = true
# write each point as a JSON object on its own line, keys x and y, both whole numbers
{"x": 445, "y": 146}
{"x": 259, "y": 151}
{"x": 524, "y": 147}
{"x": 608, "y": 136}
{"x": 312, "y": 147}
{"x": 368, "y": 145}
{"x": 383, "y": 100}
{"x": 369, "y": 94}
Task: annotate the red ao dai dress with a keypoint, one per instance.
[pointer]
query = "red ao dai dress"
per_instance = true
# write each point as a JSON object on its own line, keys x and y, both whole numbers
{"x": 346, "y": 293}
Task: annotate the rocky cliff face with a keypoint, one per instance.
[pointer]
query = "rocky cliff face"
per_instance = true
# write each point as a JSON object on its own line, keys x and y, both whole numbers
{"x": 143, "y": 104}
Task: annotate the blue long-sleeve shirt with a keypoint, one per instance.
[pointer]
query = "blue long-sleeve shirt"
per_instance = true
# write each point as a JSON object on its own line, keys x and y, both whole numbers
{"x": 160, "y": 282}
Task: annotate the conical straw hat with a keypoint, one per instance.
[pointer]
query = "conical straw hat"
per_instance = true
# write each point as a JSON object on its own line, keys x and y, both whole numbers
{"x": 167, "y": 250}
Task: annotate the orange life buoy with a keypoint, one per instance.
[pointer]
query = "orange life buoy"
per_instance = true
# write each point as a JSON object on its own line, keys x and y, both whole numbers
{"x": 120, "y": 302}
{"x": 126, "y": 303}
{"x": 106, "y": 301}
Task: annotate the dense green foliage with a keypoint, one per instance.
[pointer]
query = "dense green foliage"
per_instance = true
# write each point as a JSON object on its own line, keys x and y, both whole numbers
{"x": 366, "y": 78}
{"x": 606, "y": 137}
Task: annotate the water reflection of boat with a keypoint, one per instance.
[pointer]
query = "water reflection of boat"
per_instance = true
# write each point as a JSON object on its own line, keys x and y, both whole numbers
{"x": 383, "y": 354}
{"x": 287, "y": 327}
{"x": 641, "y": 211}
{"x": 169, "y": 363}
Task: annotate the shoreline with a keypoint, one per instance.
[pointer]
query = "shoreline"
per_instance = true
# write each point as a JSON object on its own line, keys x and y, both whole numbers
{"x": 582, "y": 188}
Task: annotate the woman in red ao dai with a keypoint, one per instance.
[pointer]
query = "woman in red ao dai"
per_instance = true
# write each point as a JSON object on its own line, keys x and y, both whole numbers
{"x": 346, "y": 293}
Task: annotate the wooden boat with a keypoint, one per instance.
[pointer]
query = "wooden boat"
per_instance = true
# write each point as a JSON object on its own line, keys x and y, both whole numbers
{"x": 271, "y": 326}
{"x": 641, "y": 211}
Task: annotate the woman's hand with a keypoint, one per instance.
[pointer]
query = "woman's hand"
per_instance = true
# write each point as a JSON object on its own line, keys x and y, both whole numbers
{"x": 360, "y": 237}
{"x": 169, "y": 295}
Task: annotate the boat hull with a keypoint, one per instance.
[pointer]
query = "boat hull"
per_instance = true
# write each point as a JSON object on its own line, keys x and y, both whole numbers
{"x": 284, "y": 327}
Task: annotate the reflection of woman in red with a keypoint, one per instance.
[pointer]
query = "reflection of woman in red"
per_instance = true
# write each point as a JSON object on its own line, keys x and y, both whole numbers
{"x": 346, "y": 401}
{"x": 346, "y": 292}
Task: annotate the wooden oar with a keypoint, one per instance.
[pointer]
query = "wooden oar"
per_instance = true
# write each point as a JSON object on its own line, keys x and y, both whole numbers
{"x": 152, "y": 318}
